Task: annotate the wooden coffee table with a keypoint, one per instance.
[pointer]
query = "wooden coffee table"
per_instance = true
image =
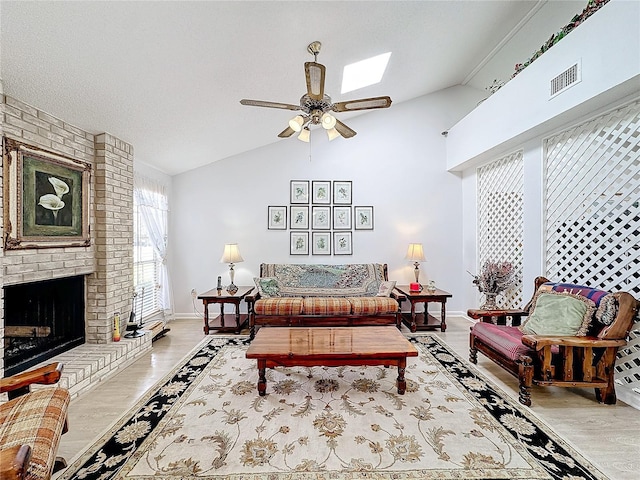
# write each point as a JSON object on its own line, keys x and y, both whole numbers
{"x": 330, "y": 347}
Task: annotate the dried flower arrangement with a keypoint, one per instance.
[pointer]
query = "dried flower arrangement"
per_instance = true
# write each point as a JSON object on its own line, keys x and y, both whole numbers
{"x": 495, "y": 277}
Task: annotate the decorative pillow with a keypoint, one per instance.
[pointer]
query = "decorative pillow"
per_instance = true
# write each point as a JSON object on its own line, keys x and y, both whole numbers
{"x": 559, "y": 313}
{"x": 267, "y": 286}
{"x": 607, "y": 310}
{"x": 386, "y": 288}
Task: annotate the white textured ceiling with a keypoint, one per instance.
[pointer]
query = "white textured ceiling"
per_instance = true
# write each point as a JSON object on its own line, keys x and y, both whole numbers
{"x": 167, "y": 77}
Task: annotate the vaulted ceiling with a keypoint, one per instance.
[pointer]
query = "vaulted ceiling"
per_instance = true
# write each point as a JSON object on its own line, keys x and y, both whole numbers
{"x": 167, "y": 77}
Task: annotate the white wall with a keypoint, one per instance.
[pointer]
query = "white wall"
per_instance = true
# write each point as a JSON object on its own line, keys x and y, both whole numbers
{"x": 397, "y": 164}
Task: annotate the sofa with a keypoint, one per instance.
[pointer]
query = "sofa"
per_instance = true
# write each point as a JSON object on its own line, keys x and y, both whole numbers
{"x": 323, "y": 295}
{"x": 31, "y": 424}
{"x": 570, "y": 338}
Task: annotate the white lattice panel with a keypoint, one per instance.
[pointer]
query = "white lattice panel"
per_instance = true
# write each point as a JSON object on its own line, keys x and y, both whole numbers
{"x": 592, "y": 195}
{"x": 500, "y": 212}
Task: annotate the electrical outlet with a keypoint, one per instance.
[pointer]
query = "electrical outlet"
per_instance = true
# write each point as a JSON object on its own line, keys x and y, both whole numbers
{"x": 194, "y": 293}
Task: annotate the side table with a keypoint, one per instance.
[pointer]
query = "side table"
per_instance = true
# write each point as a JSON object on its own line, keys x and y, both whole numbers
{"x": 425, "y": 321}
{"x": 218, "y": 322}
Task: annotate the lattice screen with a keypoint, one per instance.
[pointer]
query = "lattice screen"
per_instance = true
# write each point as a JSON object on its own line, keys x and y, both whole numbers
{"x": 592, "y": 224}
{"x": 500, "y": 231}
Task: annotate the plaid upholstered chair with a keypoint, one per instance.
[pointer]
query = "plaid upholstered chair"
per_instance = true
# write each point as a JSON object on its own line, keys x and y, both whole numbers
{"x": 31, "y": 424}
{"x": 570, "y": 338}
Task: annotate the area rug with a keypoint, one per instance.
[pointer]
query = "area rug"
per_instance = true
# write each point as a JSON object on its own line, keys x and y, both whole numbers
{"x": 206, "y": 421}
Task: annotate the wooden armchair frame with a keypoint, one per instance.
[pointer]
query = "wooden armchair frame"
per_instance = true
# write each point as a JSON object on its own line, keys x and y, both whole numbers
{"x": 564, "y": 361}
{"x": 14, "y": 460}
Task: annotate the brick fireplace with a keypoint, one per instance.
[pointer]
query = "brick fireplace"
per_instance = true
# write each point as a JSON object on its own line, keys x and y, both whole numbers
{"x": 106, "y": 264}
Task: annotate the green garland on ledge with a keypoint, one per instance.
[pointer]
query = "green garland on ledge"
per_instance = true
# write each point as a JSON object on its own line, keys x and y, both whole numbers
{"x": 592, "y": 7}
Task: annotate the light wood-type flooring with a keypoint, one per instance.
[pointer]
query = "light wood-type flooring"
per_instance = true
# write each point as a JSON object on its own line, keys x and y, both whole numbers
{"x": 609, "y": 436}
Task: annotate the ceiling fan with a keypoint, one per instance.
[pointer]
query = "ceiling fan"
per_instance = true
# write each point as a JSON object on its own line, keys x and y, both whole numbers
{"x": 317, "y": 105}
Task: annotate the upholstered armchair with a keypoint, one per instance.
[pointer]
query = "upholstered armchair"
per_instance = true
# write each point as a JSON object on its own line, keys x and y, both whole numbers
{"x": 570, "y": 338}
{"x": 31, "y": 424}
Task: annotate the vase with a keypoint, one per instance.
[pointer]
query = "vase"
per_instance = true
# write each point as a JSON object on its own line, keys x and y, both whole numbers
{"x": 489, "y": 301}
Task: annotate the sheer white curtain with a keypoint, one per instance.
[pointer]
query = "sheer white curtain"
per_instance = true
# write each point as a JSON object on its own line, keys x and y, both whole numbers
{"x": 151, "y": 199}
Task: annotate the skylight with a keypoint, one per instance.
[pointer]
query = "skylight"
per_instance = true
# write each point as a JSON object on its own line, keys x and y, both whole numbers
{"x": 364, "y": 73}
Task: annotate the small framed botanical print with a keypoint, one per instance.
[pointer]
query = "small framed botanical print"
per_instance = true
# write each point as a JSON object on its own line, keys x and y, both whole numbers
{"x": 342, "y": 243}
{"x": 299, "y": 243}
{"x": 299, "y": 218}
{"x": 320, "y": 192}
{"x": 321, "y": 243}
{"x": 299, "y": 191}
{"x": 363, "y": 218}
{"x": 342, "y": 192}
{"x": 277, "y": 218}
{"x": 342, "y": 218}
{"x": 321, "y": 218}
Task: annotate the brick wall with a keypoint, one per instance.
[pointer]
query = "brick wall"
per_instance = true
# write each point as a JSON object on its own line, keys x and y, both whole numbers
{"x": 107, "y": 262}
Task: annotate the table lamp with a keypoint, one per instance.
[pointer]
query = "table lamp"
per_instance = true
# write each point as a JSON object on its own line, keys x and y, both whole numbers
{"x": 231, "y": 255}
{"x": 415, "y": 253}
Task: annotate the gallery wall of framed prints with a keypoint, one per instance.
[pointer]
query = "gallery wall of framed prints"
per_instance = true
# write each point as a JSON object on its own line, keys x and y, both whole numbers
{"x": 320, "y": 217}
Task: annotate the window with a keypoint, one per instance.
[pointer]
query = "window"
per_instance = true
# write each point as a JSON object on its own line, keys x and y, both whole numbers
{"x": 150, "y": 222}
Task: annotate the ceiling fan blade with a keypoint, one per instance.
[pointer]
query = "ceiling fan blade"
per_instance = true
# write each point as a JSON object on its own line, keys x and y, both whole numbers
{"x": 286, "y": 133}
{"x": 343, "y": 130}
{"x": 362, "y": 104}
{"x": 260, "y": 103}
{"x": 314, "y": 73}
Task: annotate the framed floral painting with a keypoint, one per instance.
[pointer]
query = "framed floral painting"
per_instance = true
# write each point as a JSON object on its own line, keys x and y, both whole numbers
{"x": 299, "y": 243}
{"x": 299, "y": 191}
{"x": 342, "y": 192}
{"x": 342, "y": 243}
{"x": 46, "y": 198}
{"x": 277, "y": 218}
{"x": 320, "y": 218}
{"x": 299, "y": 218}
{"x": 320, "y": 192}
{"x": 321, "y": 243}
{"x": 363, "y": 218}
{"x": 342, "y": 218}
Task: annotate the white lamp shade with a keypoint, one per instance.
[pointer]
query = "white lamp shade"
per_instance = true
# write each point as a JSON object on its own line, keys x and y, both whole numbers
{"x": 415, "y": 252}
{"x": 328, "y": 121}
{"x": 305, "y": 135}
{"x": 333, "y": 133}
{"x": 296, "y": 123}
{"x": 231, "y": 254}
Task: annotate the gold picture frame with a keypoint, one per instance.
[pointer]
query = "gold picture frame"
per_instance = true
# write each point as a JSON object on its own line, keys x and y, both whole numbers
{"x": 46, "y": 198}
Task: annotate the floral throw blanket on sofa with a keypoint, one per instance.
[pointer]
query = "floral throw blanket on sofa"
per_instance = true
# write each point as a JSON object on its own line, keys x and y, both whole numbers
{"x": 349, "y": 280}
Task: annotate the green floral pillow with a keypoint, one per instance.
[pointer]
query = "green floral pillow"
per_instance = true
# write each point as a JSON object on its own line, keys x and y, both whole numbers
{"x": 267, "y": 286}
{"x": 559, "y": 313}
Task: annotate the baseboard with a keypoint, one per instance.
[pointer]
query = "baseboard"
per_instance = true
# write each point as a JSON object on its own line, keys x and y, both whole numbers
{"x": 628, "y": 396}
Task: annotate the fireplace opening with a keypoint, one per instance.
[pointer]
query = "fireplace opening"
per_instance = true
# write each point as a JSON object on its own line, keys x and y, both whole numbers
{"x": 42, "y": 319}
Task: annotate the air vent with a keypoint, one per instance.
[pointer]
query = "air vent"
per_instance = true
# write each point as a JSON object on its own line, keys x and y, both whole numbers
{"x": 566, "y": 79}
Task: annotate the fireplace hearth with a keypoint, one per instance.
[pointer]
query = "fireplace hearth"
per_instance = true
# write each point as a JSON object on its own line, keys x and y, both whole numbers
{"x": 42, "y": 319}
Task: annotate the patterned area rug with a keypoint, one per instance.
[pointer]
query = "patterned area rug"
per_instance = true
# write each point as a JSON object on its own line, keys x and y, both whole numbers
{"x": 206, "y": 421}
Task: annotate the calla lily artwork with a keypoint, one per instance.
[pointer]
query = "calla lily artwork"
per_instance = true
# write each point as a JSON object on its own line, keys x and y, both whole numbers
{"x": 48, "y": 198}
{"x": 53, "y": 202}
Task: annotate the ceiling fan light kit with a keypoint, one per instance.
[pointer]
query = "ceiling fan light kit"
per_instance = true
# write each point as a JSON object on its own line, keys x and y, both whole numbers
{"x": 316, "y": 105}
{"x": 305, "y": 135}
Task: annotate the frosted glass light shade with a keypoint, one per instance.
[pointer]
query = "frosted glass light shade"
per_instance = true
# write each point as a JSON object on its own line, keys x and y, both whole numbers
{"x": 328, "y": 121}
{"x": 333, "y": 133}
{"x": 296, "y": 123}
{"x": 305, "y": 135}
